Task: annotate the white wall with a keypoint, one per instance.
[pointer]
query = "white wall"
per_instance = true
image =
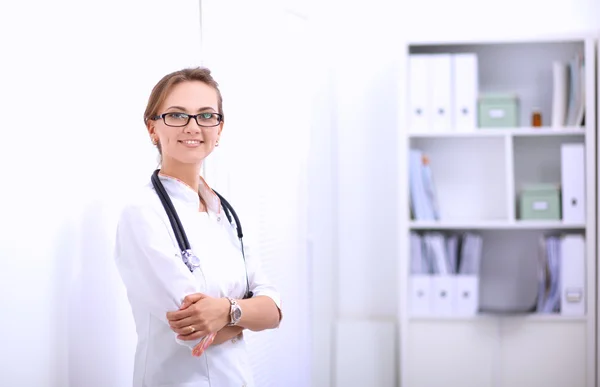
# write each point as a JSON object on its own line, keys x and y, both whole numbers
{"x": 354, "y": 146}
{"x": 75, "y": 77}
{"x": 353, "y": 190}
{"x": 264, "y": 70}
{"x": 471, "y": 19}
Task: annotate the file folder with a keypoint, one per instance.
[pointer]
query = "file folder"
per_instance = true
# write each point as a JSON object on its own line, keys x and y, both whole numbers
{"x": 419, "y": 85}
{"x": 560, "y": 90}
{"x": 466, "y": 295}
{"x": 420, "y": 295}
{"x": 423, "y": 198}
{"x": 572, "y": 275}
{"x": 573, "y": 182}
{"x": 436, "y": 288}
{"x": 419, "y": 288}
{"x": 443, "y": 295}
{"x": 440, "y": 90}
{"x": 465, "y": 91}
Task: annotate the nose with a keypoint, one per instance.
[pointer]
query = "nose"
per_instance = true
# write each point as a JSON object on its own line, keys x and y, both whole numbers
{"x": 192, "y": 127}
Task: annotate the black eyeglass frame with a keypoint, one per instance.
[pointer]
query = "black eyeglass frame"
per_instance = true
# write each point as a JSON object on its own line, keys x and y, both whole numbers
{"x": 189, "y": 117}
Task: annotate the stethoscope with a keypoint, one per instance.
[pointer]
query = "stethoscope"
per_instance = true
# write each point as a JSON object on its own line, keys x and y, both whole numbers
{"x": 192, "y": 261}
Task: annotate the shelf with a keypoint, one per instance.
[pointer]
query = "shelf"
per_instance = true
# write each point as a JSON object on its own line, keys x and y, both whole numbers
{"x": 505, "y": 132}
{"x": 531, "y": 317}
{"x": 493, "y": 40}
{"x": 496, "y": 225}
{"x": 465, "y": 174}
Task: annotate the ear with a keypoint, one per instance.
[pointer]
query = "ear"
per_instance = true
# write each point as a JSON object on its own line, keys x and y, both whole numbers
{"x": 220, "y": 130}
{"x": 152, "y": 132}
{"x": 150, "y": 127}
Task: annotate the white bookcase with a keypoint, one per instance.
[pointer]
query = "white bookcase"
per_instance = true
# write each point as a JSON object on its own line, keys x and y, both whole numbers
{"x": 478, "y": 177}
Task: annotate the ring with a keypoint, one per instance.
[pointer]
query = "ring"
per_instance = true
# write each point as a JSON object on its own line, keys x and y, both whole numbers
{"x": 192, "y": 329}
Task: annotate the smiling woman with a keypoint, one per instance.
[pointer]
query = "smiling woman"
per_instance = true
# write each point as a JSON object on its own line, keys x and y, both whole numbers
{"x": 179, "y": 96}
{"x": 190, "y": 305}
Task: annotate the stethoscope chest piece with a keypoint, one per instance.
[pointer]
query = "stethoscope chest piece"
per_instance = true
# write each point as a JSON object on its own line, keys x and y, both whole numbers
{"x": 190, "y": 260}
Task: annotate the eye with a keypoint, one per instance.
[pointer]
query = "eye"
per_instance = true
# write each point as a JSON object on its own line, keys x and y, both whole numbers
{"x": 176, "y": 119}
{"x": 206, "y": 116}
{"x": 177, "y": 116}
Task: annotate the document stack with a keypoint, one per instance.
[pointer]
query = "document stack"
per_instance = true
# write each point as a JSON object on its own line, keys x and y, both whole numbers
{"x": 561, "y": 280}
{"x": 423, "y": 200}
{"x": 568, "y": 99}
{"x": 444, "y": 278}
{"x": 443, "y": 91}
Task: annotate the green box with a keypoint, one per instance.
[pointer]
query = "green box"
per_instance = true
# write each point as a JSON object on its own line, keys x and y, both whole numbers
{"x": 540, "y": 201}
{"x": 498, "y": 111}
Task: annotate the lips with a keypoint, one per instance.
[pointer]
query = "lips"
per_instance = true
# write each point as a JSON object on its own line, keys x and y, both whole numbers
{"x": 191, "y": 142}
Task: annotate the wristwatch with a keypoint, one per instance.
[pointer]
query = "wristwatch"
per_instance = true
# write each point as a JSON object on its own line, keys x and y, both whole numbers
{"x": 235, "y": 312}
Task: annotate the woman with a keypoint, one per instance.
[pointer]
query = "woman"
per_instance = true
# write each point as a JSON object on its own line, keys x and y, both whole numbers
{"x": 189, "y": 320}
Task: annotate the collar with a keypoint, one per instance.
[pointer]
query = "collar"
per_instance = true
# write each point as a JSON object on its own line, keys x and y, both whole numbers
{"x": 183, "y": 192}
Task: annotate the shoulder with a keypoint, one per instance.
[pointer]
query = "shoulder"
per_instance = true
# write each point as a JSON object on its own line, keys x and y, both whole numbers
{"x": 140, "y": 204}
{"x": 142, "y": 223}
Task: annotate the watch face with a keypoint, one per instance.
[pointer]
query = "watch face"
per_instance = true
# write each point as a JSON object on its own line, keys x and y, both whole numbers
{"x": 237, "y": 314}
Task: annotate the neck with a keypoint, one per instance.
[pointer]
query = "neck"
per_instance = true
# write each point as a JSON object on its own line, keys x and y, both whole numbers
{"x": 187, "y": 173}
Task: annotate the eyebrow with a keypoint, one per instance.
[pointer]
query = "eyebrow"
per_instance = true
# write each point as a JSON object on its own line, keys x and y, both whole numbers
{"x": 184, "y": 109}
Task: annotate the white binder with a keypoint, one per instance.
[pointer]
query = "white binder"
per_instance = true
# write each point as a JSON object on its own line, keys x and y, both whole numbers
{"x": 466, "y": 295}
{"x": 440, "y": 91}
{"x": 573, "y": 182}
{"x": 560, "y": 87}
{"x": 443, "y": 290}
{"x": 465, "y": 91}
{"x": 418, "y": 88}
{"x": 419, "y": 287}
{"x": 420, "y": 295}
{"x": 572, "y": 275}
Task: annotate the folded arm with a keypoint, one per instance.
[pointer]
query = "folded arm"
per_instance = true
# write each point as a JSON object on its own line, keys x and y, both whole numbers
{"x": 259, "y": 313}
{"x": 150, "y": 267}
{"x": 263, "y": 310}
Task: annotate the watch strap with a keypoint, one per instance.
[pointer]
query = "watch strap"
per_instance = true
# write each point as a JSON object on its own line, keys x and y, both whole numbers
{"x": 234, "y": 312}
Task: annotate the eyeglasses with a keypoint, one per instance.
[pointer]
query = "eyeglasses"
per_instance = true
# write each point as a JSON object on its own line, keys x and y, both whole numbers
{"x": 206, "y": 119}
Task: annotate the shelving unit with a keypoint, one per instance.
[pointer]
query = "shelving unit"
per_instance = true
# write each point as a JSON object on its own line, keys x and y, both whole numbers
{"x": 506, "y": 132}
{"x": 479, "y": 176}
{"x": 496, "y": 225}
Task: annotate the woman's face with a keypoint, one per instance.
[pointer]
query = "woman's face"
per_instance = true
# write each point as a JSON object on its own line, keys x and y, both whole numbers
{"x": 189, "y": 144}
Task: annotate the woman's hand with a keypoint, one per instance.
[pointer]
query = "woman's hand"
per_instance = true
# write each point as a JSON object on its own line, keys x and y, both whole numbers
{"x": 199, "y": 316}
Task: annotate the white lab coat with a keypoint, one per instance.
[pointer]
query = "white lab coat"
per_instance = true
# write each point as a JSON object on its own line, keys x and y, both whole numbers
{"x": 149, "y": 262}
